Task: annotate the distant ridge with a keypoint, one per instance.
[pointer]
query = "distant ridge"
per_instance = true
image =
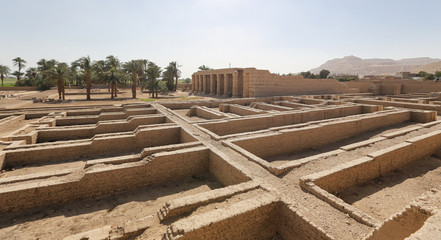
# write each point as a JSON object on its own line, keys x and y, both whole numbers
{"x": 430, "y": 68}
{"x": 374, "y": 66}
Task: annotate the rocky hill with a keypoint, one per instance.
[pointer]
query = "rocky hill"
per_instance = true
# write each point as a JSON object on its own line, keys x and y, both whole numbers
{"x": 430, "y": 68}
{"x": 374, "y": 66}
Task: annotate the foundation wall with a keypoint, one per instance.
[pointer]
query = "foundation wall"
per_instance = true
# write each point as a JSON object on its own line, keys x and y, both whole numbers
{"x": 60, "y": 133}
{"x": 402, "y": 225}
{"x": 430, "y": 107}
{"x": 106, "y": 180}
{"x": 204, "y": 112}
{"x": 256, "y": 223}
{"x": 224, "y": 172}
{"x": 266, "y": 106}
{"x": 292, "y": 140}
{"x": 263, "y": 122}
{"x": 380, "y": 163}
{"x": 239, "y": 110}
{"x": 292, "y": 226}
{"x": 96, "y": 147}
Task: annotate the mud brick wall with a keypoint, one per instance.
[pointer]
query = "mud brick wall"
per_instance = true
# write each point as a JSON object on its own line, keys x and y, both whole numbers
{"x": 431, "y": 107}
{"x": 401, "y": 225}
{"x": 292, "y": 140}
{"x": 204, "y": 112}
{"x": 70, "y": 133}
{"x": 293, "y": 226}
{"x": 379, "y": 163}
{"x": 105, "y": 180}
{"x": 10, "y": 121}
{"x": 224, "y": 172}
{"x": 266, "y": 106}
{"x": 101, "y": 146}
{"x": 77, "y": 120}
{"x": 2, "y": 159}
{"x": 239, "y": 110}
{"x": 262, "y": 122}
{"x": 423, "y": 116}
{"x": 257, "y": 223}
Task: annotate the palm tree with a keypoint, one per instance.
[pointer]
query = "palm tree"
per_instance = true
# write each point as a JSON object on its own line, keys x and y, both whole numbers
{"x": 45, "y": 65}
{"x": 114, "y": 77}
{"x": 204, "y": 68}
{"x": 167, "y": 76}
{"x": 4, "y": 71}
{"x": 85, "y": 65}
{"x": 31, "y": 73}
{"x": 21, "y": 63}
{"x": 153, "y": 73}
{"x": 175, "y": 72}
{"x": 135, "y": 68}
{"x": 109, "y": 71}
{"x": 59, "y": 73}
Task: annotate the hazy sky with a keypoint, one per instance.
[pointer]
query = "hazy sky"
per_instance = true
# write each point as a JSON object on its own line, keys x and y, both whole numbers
{"x": 281, "y": 36}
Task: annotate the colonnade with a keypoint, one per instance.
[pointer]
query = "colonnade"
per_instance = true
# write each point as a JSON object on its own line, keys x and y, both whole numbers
{"x": 219, "y": 84}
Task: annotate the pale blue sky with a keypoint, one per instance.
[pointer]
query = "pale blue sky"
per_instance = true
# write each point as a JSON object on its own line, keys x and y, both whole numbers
{"x": 279, "y": 35}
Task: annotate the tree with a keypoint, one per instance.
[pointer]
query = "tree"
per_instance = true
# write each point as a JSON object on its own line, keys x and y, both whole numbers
{"x": 204, "y": 68}
{"x": 31, "y": 76}
{"x": 422, "y": 74}
{"x": 437, "y": 74}
{"x": 175, "y": 72}
{"x": 135, "y": 68}
{"x": 306, "y": 74}
{"x": 153, "y": 73}
{"x": 4, "y": 71}
{"x": 20, "y": 63}
{"x": 167, "y": 77}
{"x": 44, "y": 67}
{"x": 109, "y": 71}
{"x": 85, "y": 65}
{"x": 59, "y": 73}
{"x": 429, "y": 76}
{"x": 324, "y": 74}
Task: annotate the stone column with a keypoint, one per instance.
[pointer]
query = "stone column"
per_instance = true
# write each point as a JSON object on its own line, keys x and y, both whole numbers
{"x": 226, "y": 84}
{"x": 197, "y": 84}
{"x": 212, "y": 84}
{"x": 236, "y": 84}
{"x": 193, "y": 82}
{"x": 218, "y": 92}
{"x": 202, "y": 83}
{"x": 206, "y": 84}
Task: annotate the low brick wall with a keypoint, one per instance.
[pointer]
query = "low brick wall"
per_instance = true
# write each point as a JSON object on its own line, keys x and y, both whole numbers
{"x": 378, "y": 163}
{"x": 102, "y": 116}
{"x": 430, "y": 107}
{"x": 401, "y": 225}
{"x": 204, "y": 112}
{"x": 71, "y": 133}
{"x": 105, "y": 180}
{"x": 239, "y": 110}
{"x": 102, "y": 146}
{"x": 292, "y": 140}
{"x": 255, "y": 123}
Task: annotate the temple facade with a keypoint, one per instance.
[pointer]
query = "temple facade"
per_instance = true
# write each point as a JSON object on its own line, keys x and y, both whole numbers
{"x": 252, "y": 82}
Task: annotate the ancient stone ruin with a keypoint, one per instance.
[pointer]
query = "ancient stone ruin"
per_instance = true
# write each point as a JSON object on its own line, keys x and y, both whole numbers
{"x": 343, "y": 166}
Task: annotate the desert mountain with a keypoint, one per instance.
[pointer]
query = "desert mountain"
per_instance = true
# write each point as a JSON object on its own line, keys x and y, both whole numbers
{"x": 374, "y": 66}
{"x": 430, "y": 68}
